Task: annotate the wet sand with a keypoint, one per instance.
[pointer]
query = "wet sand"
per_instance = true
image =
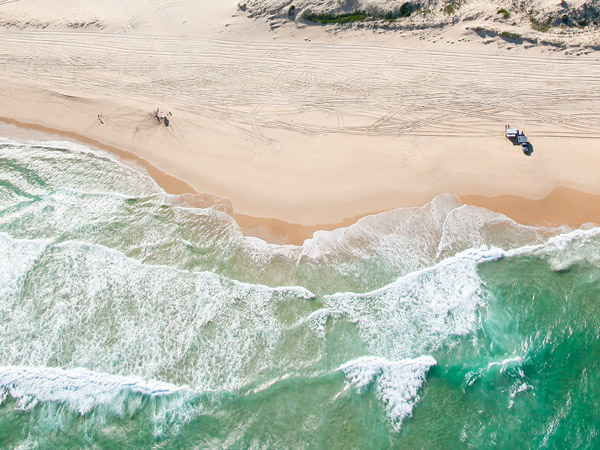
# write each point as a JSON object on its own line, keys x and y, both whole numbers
{"x": 563, "y": 206}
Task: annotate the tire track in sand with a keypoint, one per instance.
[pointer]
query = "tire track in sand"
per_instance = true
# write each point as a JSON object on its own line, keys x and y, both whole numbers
{"x": 349, "y": 89}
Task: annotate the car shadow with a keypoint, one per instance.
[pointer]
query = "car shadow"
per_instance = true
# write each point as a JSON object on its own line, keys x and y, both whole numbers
{"x": 515, "y": 142}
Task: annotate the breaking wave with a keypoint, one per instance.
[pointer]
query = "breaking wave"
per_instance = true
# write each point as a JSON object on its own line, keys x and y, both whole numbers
{"x": 398, "y": 382}
{"x": 81, "y": 389}
{"x": 107, "y": 282}
{"x": 101, "y": 201}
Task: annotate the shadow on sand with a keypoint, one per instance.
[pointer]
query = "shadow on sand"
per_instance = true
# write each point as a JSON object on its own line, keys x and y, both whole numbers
{"x": 515, "y": 142}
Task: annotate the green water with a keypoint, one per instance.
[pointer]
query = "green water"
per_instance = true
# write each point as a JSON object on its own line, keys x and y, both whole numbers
{"x": 130, "y": 320}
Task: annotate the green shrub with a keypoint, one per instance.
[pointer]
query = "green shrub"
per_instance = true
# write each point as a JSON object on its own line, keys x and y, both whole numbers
{"x": 292, "y": 11}
{"x": 504, "y": 12}
{"x": 406, "y": 9}
{"x": 325, "y": 18}
{"x": 449, "y": 10}
{"x": 510, "y": 35}
{"x": 540, "y": 26}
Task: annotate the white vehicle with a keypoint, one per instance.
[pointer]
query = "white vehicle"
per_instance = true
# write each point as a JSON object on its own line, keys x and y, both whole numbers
{"x": 514, "y": 133}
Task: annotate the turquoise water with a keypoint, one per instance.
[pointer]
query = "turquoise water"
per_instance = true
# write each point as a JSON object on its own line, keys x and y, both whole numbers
{"x": 129, "y": 319}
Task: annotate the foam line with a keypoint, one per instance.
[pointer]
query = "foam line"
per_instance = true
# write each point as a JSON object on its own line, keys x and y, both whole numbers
{"x": 94, "y": 307}
{"x": 72, "y": 147}
{"x": 81, "y": 389}
{"x": 298, "y": 290}
{"x": 397, "y": 242}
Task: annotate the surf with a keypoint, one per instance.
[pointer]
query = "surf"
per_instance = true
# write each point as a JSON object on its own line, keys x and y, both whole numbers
{"x": 118, "y": 302}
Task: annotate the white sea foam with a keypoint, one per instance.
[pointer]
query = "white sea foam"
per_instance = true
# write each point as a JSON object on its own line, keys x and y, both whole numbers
{"x": 578, "y": 246}
{"x": 467, "y": 227}
{"x": 17, "y": 257}
{"x": 78, "y": 304}
{"x": 562, "y": 250}
{"x": 411, "y": 234}
{"x": 370, "y": 253}
{"x": 397, "y": 382}
{"x": 418, "y": 312}
{"x": 91, "y": 306}
{"x": 88, "y": 305}
{"x": 81, "y": 389}
{"x": 62, "y": 164}
{"x": 69, "y": 146}
{"x": 515, "y": 362}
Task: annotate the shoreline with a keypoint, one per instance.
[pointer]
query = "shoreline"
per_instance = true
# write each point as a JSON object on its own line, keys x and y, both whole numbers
{"x": 314, "y": 146}
{"x": 562, "y": 206}
{"x": 292, "y": 129}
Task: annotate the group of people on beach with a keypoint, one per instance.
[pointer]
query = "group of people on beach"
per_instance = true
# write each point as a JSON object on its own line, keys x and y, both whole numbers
{"x": 160, "y": 115}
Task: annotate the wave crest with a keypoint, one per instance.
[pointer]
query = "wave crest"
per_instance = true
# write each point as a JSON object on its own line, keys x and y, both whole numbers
{"x": 397, "y": 382}
{"x": 81, "y": 389}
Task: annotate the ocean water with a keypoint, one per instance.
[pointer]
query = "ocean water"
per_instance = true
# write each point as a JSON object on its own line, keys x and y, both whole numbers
{"x": 129, "y": 319}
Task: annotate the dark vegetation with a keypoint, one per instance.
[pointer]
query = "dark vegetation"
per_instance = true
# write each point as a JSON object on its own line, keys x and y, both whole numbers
{"x": 358, "y": 16}
{"x": 583, "y": 17}
{"x": 510, "y": 35}
{"x": 355, "y": 16}
{"x": 451, "y": 8}
{"x": 504, "y": 13}
{"x": 406, "y": 9}
{"x": 540, "y": 26}
{"x": 575, "y": 18}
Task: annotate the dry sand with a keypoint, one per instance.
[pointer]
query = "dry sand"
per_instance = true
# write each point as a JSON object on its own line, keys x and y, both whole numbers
{"x": 299, "y": 126}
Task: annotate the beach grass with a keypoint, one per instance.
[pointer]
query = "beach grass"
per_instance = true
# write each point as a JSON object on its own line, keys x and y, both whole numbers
{"x": 406, "y": 9}
{"x": 328, "y": 18}
{"x": 538, "y": 25}
{"x": 450, "y": 9}
{"x": 510, "y": 35}
{"x": 504, "y": 13}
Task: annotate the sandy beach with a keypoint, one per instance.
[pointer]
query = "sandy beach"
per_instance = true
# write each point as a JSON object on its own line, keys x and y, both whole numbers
{"x": 303, "y": 129}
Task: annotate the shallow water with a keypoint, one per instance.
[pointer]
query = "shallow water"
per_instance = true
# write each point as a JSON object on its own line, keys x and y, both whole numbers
{"x": 131, "y": 320}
